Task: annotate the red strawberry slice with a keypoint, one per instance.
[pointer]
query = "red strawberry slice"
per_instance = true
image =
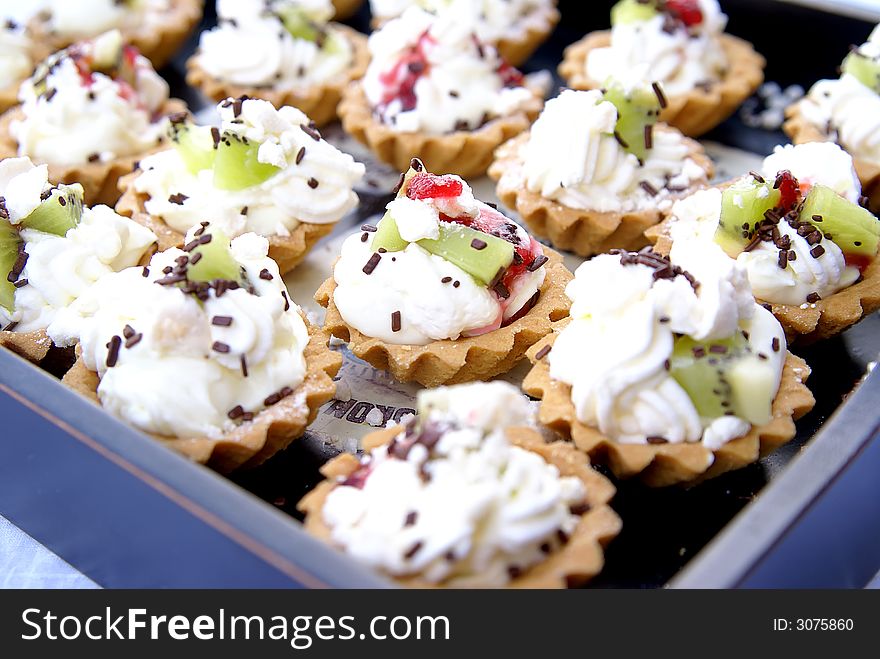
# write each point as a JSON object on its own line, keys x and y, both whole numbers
{"x": 687, "y": 11}
{"x": 789, "y": 188}
{"x": 429, "y": 186}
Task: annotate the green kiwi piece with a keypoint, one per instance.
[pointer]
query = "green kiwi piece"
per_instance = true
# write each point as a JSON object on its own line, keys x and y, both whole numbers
{"x": 387, "y": 236}
{"x": 236, "y": 166}
{"x": 216, "y": 260}
{"x": 632, "y": 11}
{"x": 636, "y": 110}
{"x": 195, "y": 146}
{"x": 298, "y": 23}
{"x": 743, "y": 206}
{"x": 10, "y": 244}
{"x": 724, "y": 377}
{"x": 852, "y": 228}
{"x": 864, "y": 69}
{"x": 479, "y": 254}
{"x": 58, "y": 213}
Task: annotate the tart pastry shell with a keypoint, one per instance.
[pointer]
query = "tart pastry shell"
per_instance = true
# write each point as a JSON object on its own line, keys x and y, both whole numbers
{"x": 466, "y": 153}
{"x": 100, "y": 180}
{"x": 670, "y": 464}
{"x": 346, "y": 8}
{"x": 287, "y": 251}
{"x": 582, "y": 231}
{"x": 318, "y": 102}
{"x": 580, "y": 559}
{"x": 157, "y": 40}
{"x": 814, "y": 322}
{"x": 697, "y": 111}
{"x": 33, "y": 346}
{"x": 800, "y": 130}
{"x": 466, "y": 359}
{"x": 271, "y": 431}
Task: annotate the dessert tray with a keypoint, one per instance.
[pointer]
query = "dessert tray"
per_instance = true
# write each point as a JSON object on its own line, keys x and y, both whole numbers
{"x": 128, "y": 512}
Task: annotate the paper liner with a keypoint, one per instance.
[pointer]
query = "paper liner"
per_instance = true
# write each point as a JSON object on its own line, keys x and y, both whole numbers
{"x": 287, "y": 251}
{"x": 158, "y": 41}
{"x": 33, "y": 346}
{"x": 346, "y": 8}
{"x": 821, "y": 320}
{"x": 800, "y": 130}
{"x": 99, "y": 179}
{"x": 466, "y": 153}
{"x": 698, "y": 111}
{"x": 582, "y": 231}
{"x": 319, "y": 103}
{"x": 466, "y": 359}
{"x": 271, "y": 431}
{"x": 580, "y": 559}
{"x": 670, "y": 464}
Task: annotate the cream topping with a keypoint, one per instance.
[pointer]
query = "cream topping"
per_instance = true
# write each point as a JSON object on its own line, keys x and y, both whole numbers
{"x": 573, "y": 157}
{"x": 88, "y": 18}
{"x": 315, "y": 188}
{"x": 459, "y": 83}
{"x": 15, "y": 55}
{"x": 60, "y": 269}
{"x": 174, "y": 381}
{"x": 70, "y": 119}
{"x": 251, "y": 46}
{"x": 470, "y": 510}
{"x": 647, "y": 51}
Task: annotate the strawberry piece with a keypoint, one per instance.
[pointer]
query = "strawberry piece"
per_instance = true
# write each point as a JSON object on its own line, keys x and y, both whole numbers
{"x": 789, "y": 188}
{"x": 687, "y": 11}
{"x": 400, "y": 81}
{"x": 429, "y": 186}
{"x": 859, "y": 261}
{"x": 510, "y": 76}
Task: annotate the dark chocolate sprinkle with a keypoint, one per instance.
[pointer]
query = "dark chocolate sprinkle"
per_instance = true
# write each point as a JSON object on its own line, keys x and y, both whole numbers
{"x": 221, "y": 321}
{"x": 113, "y": 351}
{"x": 543, "y": 352}
{"x": 372, "y": 263}
{"x": 220, "y": 347}
{"x": 395, "y": 321}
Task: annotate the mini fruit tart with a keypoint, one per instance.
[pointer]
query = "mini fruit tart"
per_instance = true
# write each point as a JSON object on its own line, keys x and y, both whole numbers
{"x": 469, "y": 495}
{"x": 809, "y": 248}
{"x": 681, "y": 44}
{"x": 284, "y": 51}
{"x": 847, "y": 111}
{"x": 433, "y": 90}
{"x": 346, "y": 8}
{"x": 89, "y": 112}
{"x": 596, "y": 171}
{"x": 666, "y": 374}
{"x": 18, "y": 54}
{"x": 52, "y": 250}
{"x": 515, "y": 27}
{"x": 263, "y": 171}
{"x": 446, "y": 289}
{"x": 214, "y": 317}
{"x": 157, "y": 28}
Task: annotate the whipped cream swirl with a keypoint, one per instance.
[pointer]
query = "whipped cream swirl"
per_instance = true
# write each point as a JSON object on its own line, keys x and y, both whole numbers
{"x": 60, "y": 269}
{"x": 74, "y": 117}
{"x": 433, "y": 298}
{"x": 431, "y": 74}
{"x": 315, "y": 187}
{"x": 648, "y": 51}
{"x": 848, "y": 109}
{"x": 88, "y": 18}
{"x": 614, "y": 353}
{"x": 251, "y": 46}
{"x": 187, "y": 367}
{"x": 15, "y": 54}
{"x": 492, "y": 20}
{"x": 573, "y": 157}
{"x": 466, "y": 510}
{"x": 697, "y": 218}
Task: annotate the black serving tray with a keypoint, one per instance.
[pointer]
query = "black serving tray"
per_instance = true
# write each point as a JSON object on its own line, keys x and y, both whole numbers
{"x": 129, "y": 513}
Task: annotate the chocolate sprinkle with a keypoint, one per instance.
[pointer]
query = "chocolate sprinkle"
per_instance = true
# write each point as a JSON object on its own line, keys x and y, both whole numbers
{"x": 657, "y": 440}
{"x": 215, "y": 135}
{"x": 177, "y": 198}
{"x": 446, "y": 280}
{"x": 311, "y": 131}
{"x": 133, "y": 340}
{"x": 313, "y": 183}
{"x": 395, "y": 321}
{"x": 543, "y": 352}
{"x": 369, "y": 228}
{"x": 814, "y": 297}
{"x": 220, "y": 347}
{"x": 265, "y": 275}
{"x": 236, "y": 412}
{"x": 411, "y": 518}
{"x": 416, "y": 164}
{"x": 817, "y": 251}
{"x": 537, "y": 263}
{"x": 221, "y": 321}
{"x": 478, "y": 244}
{"x": 658, "y": 92}
{"x": 300, "y": 155}
{"x": 128, "y": 332}
{"x": 244, "y": 366}
{"x": 113, "y": 351}
{"x": 286, "y": 301}
{"x": 412, "y": 551}
{"x": 372, "y": 263}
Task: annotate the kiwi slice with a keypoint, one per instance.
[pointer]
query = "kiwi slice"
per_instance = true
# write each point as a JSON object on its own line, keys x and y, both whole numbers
{"x": 479, "y": 254}
{"x": 236, "y": 166}
{"x": 195, "y": 146}
{"x": 743, "y": 206}
{"x": 298, "y": 24}
{"x": 724, "y": 377}
{"x": 10, "y": 244}
{"x": 387, "y": 236}
{"x": 864, "y": 69}
{"x": 632, "y": 11}
{"x": 855, "y": 230}
{"x": 636, "y": 110}
{"x": 58, "y": 213}
{"x": 107, "y": 52}
{"x": 216, "y": 260}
